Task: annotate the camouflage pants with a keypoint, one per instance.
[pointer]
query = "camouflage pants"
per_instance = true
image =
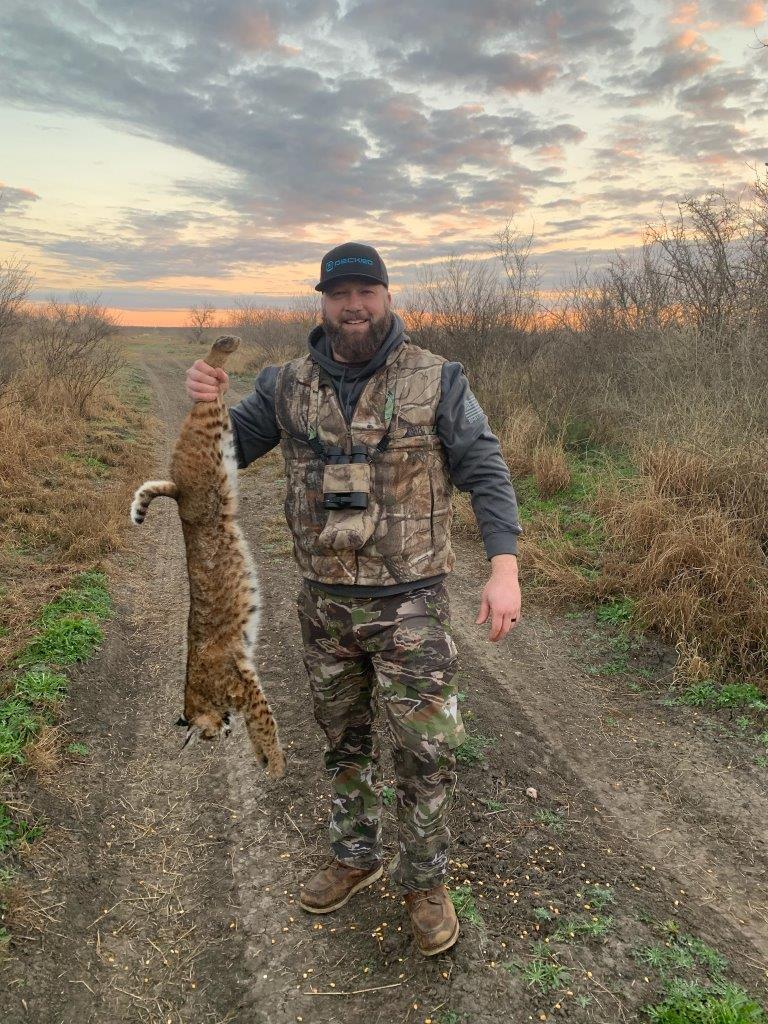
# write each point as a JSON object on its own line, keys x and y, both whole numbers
{"x": 398, "y": 647}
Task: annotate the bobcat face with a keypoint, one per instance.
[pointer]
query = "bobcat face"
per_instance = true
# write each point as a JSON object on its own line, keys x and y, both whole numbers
{"x": 207, "y": 725}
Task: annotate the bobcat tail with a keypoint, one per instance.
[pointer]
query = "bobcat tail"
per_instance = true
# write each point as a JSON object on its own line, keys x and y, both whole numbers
{"x": 148, "y": 491}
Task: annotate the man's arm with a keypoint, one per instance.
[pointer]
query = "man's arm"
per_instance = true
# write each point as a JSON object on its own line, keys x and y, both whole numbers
{"x": 254, "y": 424}
{"x": 476, "y": 465}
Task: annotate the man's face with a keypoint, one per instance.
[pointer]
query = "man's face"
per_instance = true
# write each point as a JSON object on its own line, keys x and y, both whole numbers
{"x": 356, "y": 318}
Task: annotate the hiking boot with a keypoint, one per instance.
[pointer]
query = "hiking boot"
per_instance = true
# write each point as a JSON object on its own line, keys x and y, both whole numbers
{"x": 433, "y": 919}
{"x": 331, "y": 886}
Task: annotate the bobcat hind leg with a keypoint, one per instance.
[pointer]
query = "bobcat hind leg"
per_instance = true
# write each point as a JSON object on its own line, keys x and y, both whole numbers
{"x": 261, "y": 725}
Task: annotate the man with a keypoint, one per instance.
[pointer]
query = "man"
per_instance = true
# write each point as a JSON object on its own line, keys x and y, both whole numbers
{"x": 375, "y": 431}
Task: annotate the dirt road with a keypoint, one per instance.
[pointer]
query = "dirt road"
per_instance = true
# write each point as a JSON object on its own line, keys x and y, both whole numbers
{"x": 167, "y": 886}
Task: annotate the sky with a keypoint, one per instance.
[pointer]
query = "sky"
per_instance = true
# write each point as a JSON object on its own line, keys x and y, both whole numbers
{"x": 163, "y": 154}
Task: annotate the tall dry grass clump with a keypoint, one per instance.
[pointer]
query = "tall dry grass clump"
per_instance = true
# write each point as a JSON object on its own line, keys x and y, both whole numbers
{"x": 688, "y": 539}
{"x": 71, "y": 449}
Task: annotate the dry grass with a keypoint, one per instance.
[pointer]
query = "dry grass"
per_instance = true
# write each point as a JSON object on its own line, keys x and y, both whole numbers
{"x": 550, "y": 470}
{"x": 686, "y": 539}
{"x": 66, "y": 482}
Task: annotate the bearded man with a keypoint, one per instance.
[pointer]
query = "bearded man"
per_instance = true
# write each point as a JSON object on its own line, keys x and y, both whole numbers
{"x": 375, "y": 432}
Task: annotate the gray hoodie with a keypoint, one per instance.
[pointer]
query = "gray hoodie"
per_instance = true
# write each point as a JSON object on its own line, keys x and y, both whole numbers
{"x": 475, "y": 462}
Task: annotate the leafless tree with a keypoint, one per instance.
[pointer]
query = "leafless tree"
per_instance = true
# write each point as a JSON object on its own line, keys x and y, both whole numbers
{"x": 201, "y": 319}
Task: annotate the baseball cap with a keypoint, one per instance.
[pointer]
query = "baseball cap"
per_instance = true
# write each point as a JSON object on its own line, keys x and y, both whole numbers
{"x": 351, "y": 259}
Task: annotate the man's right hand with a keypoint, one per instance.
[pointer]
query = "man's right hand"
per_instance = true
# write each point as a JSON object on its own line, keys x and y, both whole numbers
{"x": 204, "y": 383}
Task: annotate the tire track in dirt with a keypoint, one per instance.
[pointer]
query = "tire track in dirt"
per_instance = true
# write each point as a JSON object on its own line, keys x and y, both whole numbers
{"x": 692, "y": 807}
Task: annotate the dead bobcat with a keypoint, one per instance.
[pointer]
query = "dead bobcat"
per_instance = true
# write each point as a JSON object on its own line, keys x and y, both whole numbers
{"x": 223, "y": 592}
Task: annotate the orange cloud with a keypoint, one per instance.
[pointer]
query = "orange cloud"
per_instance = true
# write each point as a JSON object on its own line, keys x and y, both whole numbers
{"x": 753, "y": 14}
{"x": 685, "y": 14}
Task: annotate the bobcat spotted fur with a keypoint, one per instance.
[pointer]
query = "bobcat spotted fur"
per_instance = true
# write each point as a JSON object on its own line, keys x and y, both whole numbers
{"x": 223, "y": 592}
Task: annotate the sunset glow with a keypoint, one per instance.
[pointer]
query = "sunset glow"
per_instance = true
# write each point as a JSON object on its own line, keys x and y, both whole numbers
{"x": 165, "y": 155}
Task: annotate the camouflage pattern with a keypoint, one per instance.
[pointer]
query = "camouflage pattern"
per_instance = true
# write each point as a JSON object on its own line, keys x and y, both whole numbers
{"x": 404, "y": 535}
{"x": 399, "y": 648}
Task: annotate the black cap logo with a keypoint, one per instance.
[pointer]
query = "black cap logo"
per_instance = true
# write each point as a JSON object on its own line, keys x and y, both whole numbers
{"x": 352, "y": 259}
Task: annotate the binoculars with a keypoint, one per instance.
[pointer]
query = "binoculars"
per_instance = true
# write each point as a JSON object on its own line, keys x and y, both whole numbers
{"x": 334, "y": 497}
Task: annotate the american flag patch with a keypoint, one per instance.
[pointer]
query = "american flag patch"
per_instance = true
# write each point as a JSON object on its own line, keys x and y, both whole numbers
{"x": 472, "y": 409}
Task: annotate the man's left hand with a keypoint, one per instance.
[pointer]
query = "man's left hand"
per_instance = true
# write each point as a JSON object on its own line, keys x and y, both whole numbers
{"x": 501, "y": 598}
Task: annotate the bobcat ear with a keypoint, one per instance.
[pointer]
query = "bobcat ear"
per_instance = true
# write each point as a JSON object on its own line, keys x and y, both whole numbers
{"x": 193, "y": 734}
{"x": 181, "y": 720}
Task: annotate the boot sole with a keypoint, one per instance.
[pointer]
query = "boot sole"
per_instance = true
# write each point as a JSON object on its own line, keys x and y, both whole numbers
{"x": 362, "y": 884}
{"x": 442, "y": 948}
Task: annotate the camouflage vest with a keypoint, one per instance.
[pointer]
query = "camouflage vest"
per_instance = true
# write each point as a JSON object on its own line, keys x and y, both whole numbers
{"x": 405, "y": 533}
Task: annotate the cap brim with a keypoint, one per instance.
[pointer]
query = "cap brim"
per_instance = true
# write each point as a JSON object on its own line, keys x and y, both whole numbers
{"x": 321, "y": 286}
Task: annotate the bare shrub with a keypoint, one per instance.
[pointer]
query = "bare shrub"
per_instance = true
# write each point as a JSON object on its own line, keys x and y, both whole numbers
{"x": 550, "y": 470}
{"x": 479, "y": 311}
{"x": 272, "y": 335}
{"x": 201, "y": 319}
{"x": 15, "y": 284}
{"x": 70, "y": 346}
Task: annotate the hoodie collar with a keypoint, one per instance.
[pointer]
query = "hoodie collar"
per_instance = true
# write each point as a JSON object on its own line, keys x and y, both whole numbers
{"x": 321, "y": 353}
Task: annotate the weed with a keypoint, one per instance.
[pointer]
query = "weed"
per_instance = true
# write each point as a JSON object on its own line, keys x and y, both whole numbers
{"x": 666, "y": 959}
{"x": 15, "y": 832}
{"x": 388, "y": 795}
{"x": 583, "y": 1000}
{"x": 542, "y": 914}
{"x": 464, "y": 904}
{"x": 552, "y": 819}
{"x": 81, "y": 749}
{"x": 545, "y": 975}
{"x": 492, "y": 805}
{"x": 593, "y": 927}
{"x": 683, "y": 952}
{"x": 617, "y": 612}
{"x": 761, "y": 761}
{"x": 763, "y": 738}
{"x": 41, "y": 687}
{"x": 449, "y": 1017}
{"x": 600, "y": 897}
{"x": 721, "y": 1003}
{"x": 472, "y": 750}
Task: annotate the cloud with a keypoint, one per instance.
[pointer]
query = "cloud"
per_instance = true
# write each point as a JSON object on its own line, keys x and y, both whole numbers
{"x": 15, "y": 198}
{"x": 306, "y": 147}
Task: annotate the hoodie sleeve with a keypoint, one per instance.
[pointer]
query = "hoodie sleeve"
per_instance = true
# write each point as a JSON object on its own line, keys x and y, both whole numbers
{"x": 475, "y": 462}
{"x": 254, "y": 424}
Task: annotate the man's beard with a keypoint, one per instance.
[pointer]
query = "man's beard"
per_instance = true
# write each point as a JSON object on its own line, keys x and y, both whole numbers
{"x": 358, "y": 348}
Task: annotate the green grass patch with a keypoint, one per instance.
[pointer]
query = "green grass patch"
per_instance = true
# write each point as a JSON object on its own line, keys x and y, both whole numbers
{"x": 69, "y": 628}
{"x": 15, "y": 831}
{"x": 729, "y": 695}
{"x": 80, "y": 749}
{"x": 63, "y": 642}
{"x": 472, "y": 750}
{"x": 544, "y": 975}
{"x": 388, "y": 795}
{"x": 617, "y": 613}
{"x": 720, "y": 1003}
{"x": 464, "y": 904}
